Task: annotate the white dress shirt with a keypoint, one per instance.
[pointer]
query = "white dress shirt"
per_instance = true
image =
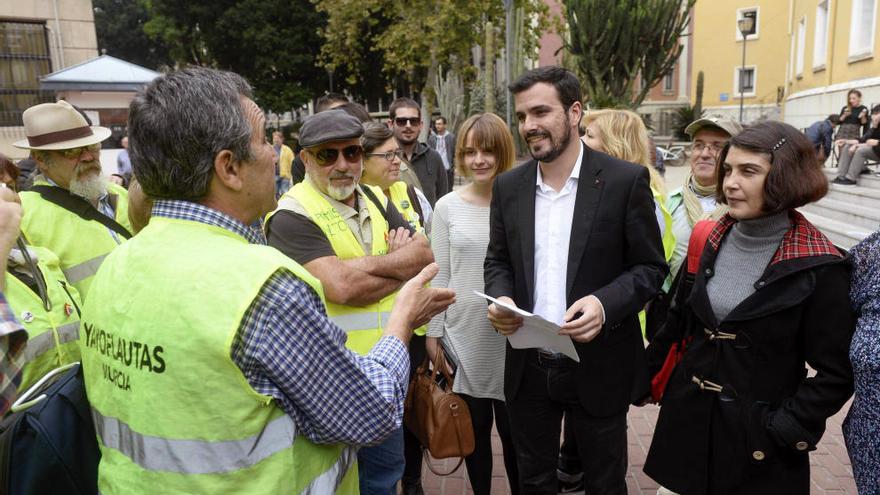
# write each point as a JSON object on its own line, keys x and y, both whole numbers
{"x": 554, "y": 212}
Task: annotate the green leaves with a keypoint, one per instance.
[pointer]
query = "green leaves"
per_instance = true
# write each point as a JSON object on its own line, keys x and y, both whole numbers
{"x": 613, "y": 43}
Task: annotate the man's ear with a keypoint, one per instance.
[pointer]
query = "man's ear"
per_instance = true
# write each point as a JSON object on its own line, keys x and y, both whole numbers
{"x": 227, "y": 170}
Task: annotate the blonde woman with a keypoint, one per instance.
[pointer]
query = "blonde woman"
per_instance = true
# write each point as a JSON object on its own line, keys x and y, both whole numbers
{"x": 459, "y": 238}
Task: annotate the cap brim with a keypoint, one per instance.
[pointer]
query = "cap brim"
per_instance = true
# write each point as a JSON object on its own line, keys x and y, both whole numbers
{"x": 331, "y": 139}
{"x": 98, "y": 134}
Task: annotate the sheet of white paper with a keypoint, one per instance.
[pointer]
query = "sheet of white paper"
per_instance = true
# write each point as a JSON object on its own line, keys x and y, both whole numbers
{"x": 536, "y": 332}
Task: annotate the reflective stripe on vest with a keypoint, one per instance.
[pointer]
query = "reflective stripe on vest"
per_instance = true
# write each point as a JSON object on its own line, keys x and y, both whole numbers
{"x": 194, "y": 456}
{"x": 330, "y": 480}
{"x": 84, "y": 270}
{"x": 45, "y": 341}
{"x": 352, "y": 322}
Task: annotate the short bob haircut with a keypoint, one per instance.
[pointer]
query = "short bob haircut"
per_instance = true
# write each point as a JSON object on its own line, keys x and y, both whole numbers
{"x": 375, "y": 134}
{"x": 795, "y": 176}
{"x": 488, "y": 133}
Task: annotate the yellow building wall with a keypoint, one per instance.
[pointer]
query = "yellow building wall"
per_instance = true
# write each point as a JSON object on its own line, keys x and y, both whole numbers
{"x": 839, "y": 67}
{"x": 718, "y": 50}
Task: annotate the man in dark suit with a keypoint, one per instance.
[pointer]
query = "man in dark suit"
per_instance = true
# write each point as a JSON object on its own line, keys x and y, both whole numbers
{"x": 443, "y": 142}
{"x": 590, "y": 263}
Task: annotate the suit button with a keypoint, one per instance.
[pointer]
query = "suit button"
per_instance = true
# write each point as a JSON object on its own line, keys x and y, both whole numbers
{"x": 758, "y": 455}
{"x": 802, "y": 446}
{"x": 708, "y": 272}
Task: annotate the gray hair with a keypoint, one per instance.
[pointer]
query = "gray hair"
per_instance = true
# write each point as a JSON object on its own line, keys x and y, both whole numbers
{"x": 178, "y": 124}
{"x": 375, "y": 135}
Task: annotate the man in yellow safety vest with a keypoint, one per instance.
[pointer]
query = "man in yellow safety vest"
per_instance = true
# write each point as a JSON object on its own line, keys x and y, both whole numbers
{"x": 213, "y": 368}
{"x": 358, "y": 245}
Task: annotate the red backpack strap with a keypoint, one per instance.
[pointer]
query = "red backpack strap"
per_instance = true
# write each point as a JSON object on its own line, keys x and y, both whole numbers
{"x": 697, "y": 243}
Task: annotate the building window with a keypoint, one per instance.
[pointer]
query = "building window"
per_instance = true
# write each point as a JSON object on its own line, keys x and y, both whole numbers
{"x": 861, "y": 33}
{"x": 801, "y": 40}
{"x": 745, "y": 79}
{"x": 820, "y": 39}
{"x": 24, "y": 58}
{"x": 750, "y": 12}
{"x": 669, "y": 82}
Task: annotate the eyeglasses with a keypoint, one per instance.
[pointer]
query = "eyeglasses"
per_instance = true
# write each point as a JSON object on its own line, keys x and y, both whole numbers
{"x": 389, "y": 155}
{"x": 413, "y": 121}
{"x": 72, "y": 153}
{"x": 713, "y": 148}
{"x": 328, "y": 156}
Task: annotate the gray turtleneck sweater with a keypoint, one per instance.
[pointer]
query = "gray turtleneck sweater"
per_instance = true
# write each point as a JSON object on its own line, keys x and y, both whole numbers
{"x": 744, "y": 255}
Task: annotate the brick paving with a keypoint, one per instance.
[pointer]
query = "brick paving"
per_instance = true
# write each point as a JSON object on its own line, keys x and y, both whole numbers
{"x": 830, "y": 468}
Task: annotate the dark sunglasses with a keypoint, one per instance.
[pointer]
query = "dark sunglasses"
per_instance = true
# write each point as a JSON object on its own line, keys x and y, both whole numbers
{"x": 77, "y": 152}
{"x": 413, "y": 121}
{"x": 389, "y": 155}
{"x": 328, "y": 156}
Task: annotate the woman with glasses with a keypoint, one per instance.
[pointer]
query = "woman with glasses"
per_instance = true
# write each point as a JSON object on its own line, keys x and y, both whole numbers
{"x": 767, "y": 302}
{"x": 382, "y": 160}
{"x": 459, "y": 238}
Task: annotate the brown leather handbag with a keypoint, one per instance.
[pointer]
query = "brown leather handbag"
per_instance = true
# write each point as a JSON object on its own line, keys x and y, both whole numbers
{"x": 438, "y": 417}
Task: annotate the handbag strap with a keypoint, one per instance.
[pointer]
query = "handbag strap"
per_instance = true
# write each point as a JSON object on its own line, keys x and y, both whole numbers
{"x": 431, "y": 468}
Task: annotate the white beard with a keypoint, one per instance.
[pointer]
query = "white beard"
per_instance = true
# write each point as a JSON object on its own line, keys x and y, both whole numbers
{"x": 90, "y": 186}
{"x": 341, "y": 193}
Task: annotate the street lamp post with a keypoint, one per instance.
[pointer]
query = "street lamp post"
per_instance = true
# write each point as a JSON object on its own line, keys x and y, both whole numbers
{"x": 745, "y": 25}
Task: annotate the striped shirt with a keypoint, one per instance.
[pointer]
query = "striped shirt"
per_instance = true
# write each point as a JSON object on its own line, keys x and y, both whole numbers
{"x": 459, "y": 238}
{"x": 288, "y": 349}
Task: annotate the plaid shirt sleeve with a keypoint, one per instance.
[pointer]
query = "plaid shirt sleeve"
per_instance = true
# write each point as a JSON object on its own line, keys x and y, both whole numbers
{"x": 12, "y": 340}
{"x": 288, "y": 349}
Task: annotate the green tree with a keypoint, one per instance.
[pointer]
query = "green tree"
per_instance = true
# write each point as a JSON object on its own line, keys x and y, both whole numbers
{"x": 413, "y": 39}
{"x": 119, "y": 25}
{"x": 272, "y": 43}
{"x": 615, "y": 44}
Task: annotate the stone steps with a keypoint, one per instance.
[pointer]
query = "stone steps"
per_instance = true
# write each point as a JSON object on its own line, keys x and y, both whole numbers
{"x": 847, "y": 214}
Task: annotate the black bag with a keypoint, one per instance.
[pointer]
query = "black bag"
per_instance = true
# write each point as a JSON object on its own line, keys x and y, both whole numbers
{"x": 50, "y": 446}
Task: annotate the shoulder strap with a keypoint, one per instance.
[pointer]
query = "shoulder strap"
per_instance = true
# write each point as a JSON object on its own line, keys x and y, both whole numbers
{"x": 369, "y": 193}
{"x": 414, "y": 200}
{"x": 697, "y": 243}
{"x": 79, "y": 207}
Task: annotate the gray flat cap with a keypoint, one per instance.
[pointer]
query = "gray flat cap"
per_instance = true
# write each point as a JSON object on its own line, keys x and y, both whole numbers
{"x": 722, "y": 123}
{"x": 332, "y": 125}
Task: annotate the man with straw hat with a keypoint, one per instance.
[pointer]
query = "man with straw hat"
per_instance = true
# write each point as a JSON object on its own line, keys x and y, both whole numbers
{"x": 71, "y": 209}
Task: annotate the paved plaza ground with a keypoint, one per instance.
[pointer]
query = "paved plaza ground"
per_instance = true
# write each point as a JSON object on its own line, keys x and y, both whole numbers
{"x": 831, "y": 472}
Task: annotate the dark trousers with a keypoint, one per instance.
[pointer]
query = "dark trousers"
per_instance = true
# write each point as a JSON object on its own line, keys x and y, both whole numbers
{"x": 412, "y": 449}
{"x": 547, "y": 391}
{"x": 450, "y": 178}
{"x": 479, "y": 464}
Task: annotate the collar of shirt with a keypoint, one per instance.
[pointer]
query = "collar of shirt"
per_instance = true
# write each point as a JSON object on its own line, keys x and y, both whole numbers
{"x": 572, "y": 179}
{"x": 194, "y": 212}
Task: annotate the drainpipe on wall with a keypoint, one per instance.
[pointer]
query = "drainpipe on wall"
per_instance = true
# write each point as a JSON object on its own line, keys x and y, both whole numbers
{"x": 58, "y": 35}
{"x": 829, "y": 43}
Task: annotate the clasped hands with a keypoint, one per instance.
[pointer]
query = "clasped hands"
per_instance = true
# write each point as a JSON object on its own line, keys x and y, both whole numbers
{"x": 583, "y": 320}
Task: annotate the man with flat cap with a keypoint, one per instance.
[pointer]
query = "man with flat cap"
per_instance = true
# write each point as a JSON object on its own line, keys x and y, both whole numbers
{"x": 71, "y": 209}
{"x": 694, "y": 201}
{"x": 358, "y": 245}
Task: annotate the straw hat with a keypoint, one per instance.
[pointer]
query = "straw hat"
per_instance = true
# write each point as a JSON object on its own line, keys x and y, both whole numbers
{"x": 58, "y": 126}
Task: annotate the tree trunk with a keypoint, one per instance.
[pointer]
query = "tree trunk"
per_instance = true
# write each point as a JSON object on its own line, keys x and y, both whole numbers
{"x": 489, "y": 74}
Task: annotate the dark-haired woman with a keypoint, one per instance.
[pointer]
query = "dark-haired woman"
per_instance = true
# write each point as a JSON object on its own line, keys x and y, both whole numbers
{"x": 769, "y": 301}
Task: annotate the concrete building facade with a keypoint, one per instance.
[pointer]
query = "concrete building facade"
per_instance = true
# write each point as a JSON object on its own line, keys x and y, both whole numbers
{"x": 38, "y": 37}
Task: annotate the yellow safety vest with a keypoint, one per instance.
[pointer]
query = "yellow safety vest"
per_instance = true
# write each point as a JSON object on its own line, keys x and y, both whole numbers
{"x": 172, "y": 411}
{"x": 53, "y": 331}
{"x": 668, "y": 242}
{"x": 362, "y": 324}
{"x": 81, "y": 245}
{"x": 403, "y": 203}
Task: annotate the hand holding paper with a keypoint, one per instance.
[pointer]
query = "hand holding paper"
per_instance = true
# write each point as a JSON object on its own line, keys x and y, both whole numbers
{"x": 532, "y": 331}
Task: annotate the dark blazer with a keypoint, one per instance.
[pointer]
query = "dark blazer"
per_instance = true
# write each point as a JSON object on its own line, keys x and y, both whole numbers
{"x": 615, "y": 253}
{"x": 755, "y": 436}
